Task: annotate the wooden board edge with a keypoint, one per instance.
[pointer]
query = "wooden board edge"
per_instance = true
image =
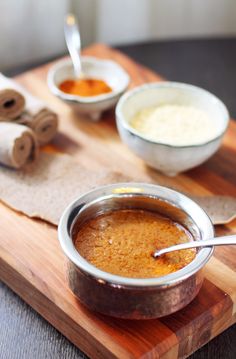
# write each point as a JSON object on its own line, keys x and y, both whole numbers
{"x": 56, "y": 317}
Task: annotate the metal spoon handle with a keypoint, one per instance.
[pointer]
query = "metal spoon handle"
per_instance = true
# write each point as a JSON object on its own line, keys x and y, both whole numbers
{"x": 218, "y": 241}
{"x": 73, "y": 42}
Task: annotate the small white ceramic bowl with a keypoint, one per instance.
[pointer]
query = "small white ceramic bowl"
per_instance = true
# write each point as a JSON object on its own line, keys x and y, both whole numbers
{"x": 109, "y": 71}
{"x": 164, "y": 157}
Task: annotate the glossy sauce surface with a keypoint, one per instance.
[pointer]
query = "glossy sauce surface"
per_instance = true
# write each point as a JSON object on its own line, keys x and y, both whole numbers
{"x": 122, "y": 242}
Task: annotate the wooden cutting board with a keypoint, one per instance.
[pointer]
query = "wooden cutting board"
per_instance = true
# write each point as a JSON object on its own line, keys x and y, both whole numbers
{"x": 32, "y": 263}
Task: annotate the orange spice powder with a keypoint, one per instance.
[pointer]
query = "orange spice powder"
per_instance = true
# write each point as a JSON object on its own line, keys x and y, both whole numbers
{"x": 85, "y": 87}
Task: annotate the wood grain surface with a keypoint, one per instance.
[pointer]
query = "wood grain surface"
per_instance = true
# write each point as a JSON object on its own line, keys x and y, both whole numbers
{"x": 32, "y": 263}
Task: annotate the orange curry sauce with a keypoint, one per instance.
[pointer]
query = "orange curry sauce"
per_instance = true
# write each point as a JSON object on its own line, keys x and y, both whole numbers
{"x": 85, "y": 87}
{"x": 122, "y": 242}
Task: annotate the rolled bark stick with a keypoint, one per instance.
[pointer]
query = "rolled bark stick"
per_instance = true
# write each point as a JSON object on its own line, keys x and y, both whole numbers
{"x": 12, "y": 103}
{"x": 18, "y": 145}
{"x": 37, "y": 115}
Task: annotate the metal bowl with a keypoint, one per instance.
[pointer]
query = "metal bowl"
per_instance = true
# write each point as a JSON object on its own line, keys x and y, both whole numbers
{"x": 134, "y": 298}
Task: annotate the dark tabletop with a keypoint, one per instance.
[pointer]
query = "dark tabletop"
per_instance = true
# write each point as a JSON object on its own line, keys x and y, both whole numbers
{"x": 210, "y": 64}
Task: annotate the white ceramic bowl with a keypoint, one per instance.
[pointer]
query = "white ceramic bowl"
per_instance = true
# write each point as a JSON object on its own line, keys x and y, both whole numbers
{"x": 109, "y": 71}
{"x": 164, "y": 157}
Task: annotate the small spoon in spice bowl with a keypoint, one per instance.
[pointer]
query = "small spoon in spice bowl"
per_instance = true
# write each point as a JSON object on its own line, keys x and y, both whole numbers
{"x": 73, "y": 42}
{"x": 89, "y": 85}
{"x": 218, "y": 241}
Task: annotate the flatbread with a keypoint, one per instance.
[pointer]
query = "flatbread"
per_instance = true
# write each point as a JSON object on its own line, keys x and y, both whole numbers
{"x": 221, "y": 209}
{"x": 12, "y": 103}
{"x": 18, "y": 145}
{"x": 27, "y": 110}
{"x": 44, "y": 189}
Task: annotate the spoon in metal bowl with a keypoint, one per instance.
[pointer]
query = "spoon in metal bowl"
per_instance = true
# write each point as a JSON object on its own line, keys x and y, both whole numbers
{"x": 218, "y": 241}
{"x": 73, "y": 42}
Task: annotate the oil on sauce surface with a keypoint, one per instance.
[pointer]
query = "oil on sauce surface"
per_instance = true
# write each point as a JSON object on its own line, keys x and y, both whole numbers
{"x": 122, "y": 242}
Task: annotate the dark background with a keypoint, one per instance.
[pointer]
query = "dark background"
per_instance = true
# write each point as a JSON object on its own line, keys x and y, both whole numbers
{"x": 210, "y": 64}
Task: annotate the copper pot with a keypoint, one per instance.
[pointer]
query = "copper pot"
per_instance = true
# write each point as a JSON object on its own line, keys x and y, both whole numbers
{"x": 134, "y": 298}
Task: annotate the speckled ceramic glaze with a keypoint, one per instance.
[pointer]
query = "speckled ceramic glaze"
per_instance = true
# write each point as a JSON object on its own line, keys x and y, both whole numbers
{"x": 167, "y": 158}
{"x": 109, "y": 71}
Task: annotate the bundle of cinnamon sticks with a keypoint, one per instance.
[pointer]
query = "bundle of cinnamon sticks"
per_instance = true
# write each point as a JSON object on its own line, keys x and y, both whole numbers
{"x": 25, "y": 124}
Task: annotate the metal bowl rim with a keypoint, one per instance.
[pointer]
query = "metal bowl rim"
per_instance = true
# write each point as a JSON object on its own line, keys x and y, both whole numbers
{"x": 107, "y": 278}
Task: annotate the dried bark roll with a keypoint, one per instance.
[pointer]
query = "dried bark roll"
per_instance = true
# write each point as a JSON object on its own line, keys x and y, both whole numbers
{"x": 12, "y": 104}
{"x": 18, "y": 145}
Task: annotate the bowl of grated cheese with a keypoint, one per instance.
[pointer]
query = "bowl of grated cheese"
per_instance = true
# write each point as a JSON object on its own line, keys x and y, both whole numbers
{"x": 172, "y": 126}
